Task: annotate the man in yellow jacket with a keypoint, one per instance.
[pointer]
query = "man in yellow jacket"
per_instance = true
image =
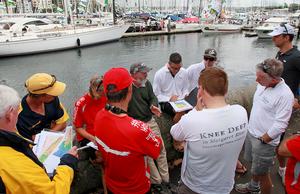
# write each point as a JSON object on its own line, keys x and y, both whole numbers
{"x": 20, "y": 170}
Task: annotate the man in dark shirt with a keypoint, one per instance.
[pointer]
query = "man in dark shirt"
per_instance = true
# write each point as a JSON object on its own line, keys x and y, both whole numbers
{"x": 142, "y": 106}
{"x": 41, "y": 108}
{"x": 289, "y": 55}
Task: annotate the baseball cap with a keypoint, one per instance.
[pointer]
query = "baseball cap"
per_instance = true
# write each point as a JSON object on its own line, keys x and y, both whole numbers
{"x": 43, "y": 83}
{"x": 119, "y": 77}
{"x": 139, "y": 67}
{"x": 283, "y": 28}
{"x": 210, "y": 53}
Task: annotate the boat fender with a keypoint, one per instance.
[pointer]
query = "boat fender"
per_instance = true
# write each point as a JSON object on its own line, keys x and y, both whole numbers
{"x": 78, "y": 42}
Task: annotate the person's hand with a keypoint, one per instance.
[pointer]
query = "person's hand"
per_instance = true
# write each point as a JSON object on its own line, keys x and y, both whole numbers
{"x": 92, "y": 139}
{"x": 179, "y": 145}
{"x": 173, "y": 98}
{"x": 296, "y": 104}
{"x": 155, "y": 110}
{"x": 266, "y": 138}
{"x": 73, "y": 151}
{"x": 199, "y": 106}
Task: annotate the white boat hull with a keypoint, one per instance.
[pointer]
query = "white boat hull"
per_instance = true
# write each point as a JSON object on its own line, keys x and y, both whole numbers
{"x": 220, "y": 29}
{"x": 61, "y": 41}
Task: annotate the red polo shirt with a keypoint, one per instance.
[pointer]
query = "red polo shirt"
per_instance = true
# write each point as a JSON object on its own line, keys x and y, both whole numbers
{"x": 125, "y": 144}
{"x": 293, "y": 146}
{"x": 85, "y": 112}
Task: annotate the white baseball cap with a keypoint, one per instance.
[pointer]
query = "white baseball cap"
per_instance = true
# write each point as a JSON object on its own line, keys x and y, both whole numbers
{"x": 283, "y": 28}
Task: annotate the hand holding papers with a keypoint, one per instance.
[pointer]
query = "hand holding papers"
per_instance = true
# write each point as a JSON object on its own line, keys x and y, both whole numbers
{"x": 51, "y": 146}
{"x": 181, "y": 105}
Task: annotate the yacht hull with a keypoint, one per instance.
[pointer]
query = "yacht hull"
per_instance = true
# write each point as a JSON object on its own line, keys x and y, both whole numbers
{"x": 60, "y": 40}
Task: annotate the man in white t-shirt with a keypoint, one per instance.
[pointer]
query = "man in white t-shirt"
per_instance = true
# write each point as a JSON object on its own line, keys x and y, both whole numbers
{"x": 193, "y": 71}
{"x": 272, "y": 107}
{"x": 171, "y": 84}
{"x": 214, "y": 133}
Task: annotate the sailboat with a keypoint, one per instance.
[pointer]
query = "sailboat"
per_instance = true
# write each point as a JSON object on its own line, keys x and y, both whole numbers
{"x": 23, "y": 36}
{"x": 213, "y": 14}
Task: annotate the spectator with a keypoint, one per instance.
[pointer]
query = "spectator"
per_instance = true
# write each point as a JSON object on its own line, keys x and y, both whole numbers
{"x": 171, "y": 84}
{"x": 212, "y": 148}
{"x": 289, "y": 55}
{"x": 270, "y": 114}
{"x": 125, "y": 143}
{"x": 20, "y": 170}
{"x": 141, "y": 107}
{"x": 290, "y": 147}
{"x": 41, "y": 108}
{"x": 193, "y": 71}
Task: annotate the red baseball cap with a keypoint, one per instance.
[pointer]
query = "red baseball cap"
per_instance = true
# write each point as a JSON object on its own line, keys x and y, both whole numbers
{"x": 119, "y": 77}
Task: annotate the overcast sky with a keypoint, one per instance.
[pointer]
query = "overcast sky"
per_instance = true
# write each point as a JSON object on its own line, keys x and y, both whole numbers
{"x": 259, "y": 2}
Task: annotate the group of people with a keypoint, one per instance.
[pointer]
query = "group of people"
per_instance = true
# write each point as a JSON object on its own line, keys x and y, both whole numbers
{"x": 117, "y": 114}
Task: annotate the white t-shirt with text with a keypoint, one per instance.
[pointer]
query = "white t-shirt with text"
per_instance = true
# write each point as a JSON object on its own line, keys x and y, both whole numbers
{"x": 214, "y": 139}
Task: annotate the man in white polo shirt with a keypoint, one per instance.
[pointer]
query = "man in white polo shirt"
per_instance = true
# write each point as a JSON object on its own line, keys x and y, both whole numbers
{"x": 214, "y": 133}
{"x": 194, "y": 70}
{"x": 171, "y": 84}
{"x": 270, "y": 114}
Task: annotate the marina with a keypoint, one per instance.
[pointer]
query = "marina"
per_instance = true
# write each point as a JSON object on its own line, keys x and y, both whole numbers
{"x": 86, "y": 39}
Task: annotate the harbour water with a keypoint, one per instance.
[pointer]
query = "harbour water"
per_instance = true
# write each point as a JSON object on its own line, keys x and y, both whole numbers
{"x": 236, "y": 54}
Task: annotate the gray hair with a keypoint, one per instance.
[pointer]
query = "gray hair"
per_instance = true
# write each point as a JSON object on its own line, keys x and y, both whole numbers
{"x": 8, "y": 98}
{"x": 272, "y": 67}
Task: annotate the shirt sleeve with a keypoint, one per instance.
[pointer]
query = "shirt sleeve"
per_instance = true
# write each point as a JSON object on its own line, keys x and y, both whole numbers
{"x": 282, "y": 117}
{"x": 153, "y": 98}
{"x": 65, "y": 117}
{"x": 177, "y": 132}
{"x": 293, "y": 146}
{"x": 158, "y": 90}
{"x": 185, "y": 85}
{"x": 77, "y": 115}
{"x": 33, "y": 178}
{"x": 151, "y": 143}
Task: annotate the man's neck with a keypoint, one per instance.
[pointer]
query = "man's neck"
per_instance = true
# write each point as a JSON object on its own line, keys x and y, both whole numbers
{"x": 286, "y": 47}
{"x": 215, "y": 102}
{"x": 36, "y": 105}
{"x": 7, "y": 127}
{"x": 122, "y": 105}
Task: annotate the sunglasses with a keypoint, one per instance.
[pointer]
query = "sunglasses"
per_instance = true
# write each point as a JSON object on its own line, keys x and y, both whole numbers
{"x": 49, "y": 86}
{"x": 285, "y": 28}
{"x": 99, "y": 86}
{"x": 209, "y": 59}
{"x": 265, "y": 68}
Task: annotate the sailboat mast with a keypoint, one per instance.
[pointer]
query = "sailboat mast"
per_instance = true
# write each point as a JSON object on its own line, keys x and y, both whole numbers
{"x": 114, "y": 11}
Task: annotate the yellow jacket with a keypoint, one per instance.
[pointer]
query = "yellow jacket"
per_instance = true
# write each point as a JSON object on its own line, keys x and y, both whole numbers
{"x": 22, "y": 173}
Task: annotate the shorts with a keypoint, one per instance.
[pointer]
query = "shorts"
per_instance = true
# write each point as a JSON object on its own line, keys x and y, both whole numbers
{"x": 259, "y": 154}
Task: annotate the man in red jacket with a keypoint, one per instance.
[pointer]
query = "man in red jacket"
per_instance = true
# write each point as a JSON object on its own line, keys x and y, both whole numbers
{"x": 125, "y": 143}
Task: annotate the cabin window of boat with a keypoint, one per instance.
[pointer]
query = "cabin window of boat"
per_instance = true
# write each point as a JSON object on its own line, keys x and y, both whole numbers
{"x": 36, "y": 23}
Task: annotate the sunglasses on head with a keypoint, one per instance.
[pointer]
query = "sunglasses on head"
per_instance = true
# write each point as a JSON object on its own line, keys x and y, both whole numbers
{"x": 49, "y": 86}
{"x": 98, "y": 83}
{"x": 265, "y": 67}
{"x": 209, "y": 59}
{"x": 285, "y": 28}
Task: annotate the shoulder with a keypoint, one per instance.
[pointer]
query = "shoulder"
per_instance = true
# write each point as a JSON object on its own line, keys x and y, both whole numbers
{"x": 81, "y": 101}
{"x": 161, "y": 71}
{"x": 238, "y": 108}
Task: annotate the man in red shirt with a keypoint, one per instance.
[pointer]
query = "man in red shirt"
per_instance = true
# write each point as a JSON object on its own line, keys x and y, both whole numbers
{"x": 125, "y": 143}
{"x": 290, "y": 147}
